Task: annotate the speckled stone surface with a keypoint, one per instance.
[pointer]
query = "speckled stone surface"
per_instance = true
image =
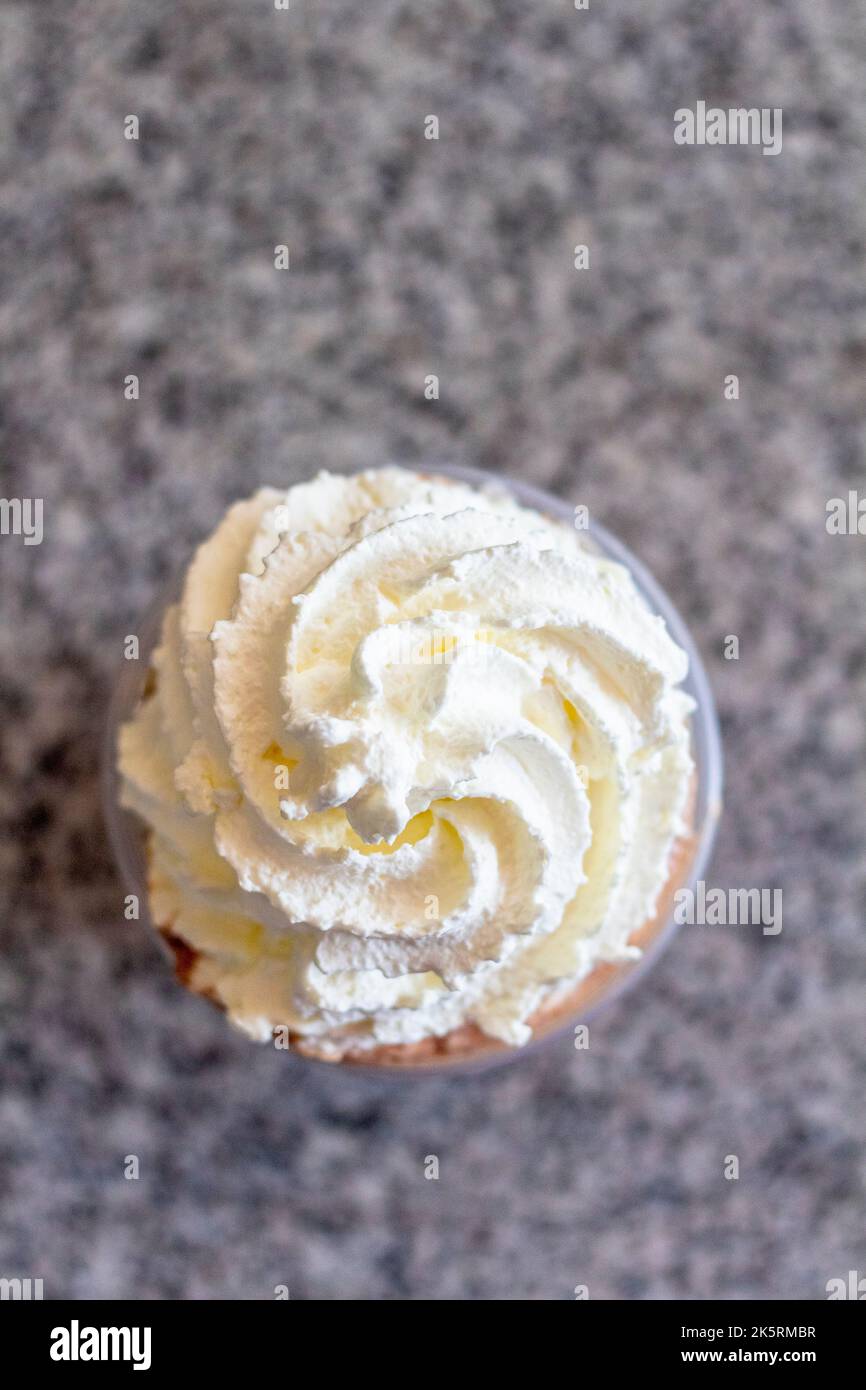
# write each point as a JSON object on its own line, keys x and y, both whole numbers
{"x": 455, "y": 257}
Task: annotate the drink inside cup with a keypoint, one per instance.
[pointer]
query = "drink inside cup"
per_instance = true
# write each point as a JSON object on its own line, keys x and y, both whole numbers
{"x": 417, "y": 770}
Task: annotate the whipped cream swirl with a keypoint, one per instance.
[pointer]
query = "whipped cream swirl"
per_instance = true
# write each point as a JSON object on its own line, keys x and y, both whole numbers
{"x": 414, "y": 758}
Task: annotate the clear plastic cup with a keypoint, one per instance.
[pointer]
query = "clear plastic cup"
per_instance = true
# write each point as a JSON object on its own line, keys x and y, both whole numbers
{"x": 603, "y": 985}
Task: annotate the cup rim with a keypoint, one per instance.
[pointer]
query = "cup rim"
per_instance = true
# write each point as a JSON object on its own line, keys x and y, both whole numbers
{"x": 126, "y": 832}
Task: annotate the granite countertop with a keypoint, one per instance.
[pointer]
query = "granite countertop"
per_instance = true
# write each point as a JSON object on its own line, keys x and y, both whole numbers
{"x": 455, "y": 257}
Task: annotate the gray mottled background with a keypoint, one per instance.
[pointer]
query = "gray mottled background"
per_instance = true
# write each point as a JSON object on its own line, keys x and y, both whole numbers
{"x": 411, "y": 257}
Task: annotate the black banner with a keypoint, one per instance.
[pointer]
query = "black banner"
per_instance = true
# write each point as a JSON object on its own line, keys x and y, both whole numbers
{"x": 82, "y": 1339}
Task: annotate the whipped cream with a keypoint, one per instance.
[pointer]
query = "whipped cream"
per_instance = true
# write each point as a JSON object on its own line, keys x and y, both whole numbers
{"x": 415, "y": 758}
